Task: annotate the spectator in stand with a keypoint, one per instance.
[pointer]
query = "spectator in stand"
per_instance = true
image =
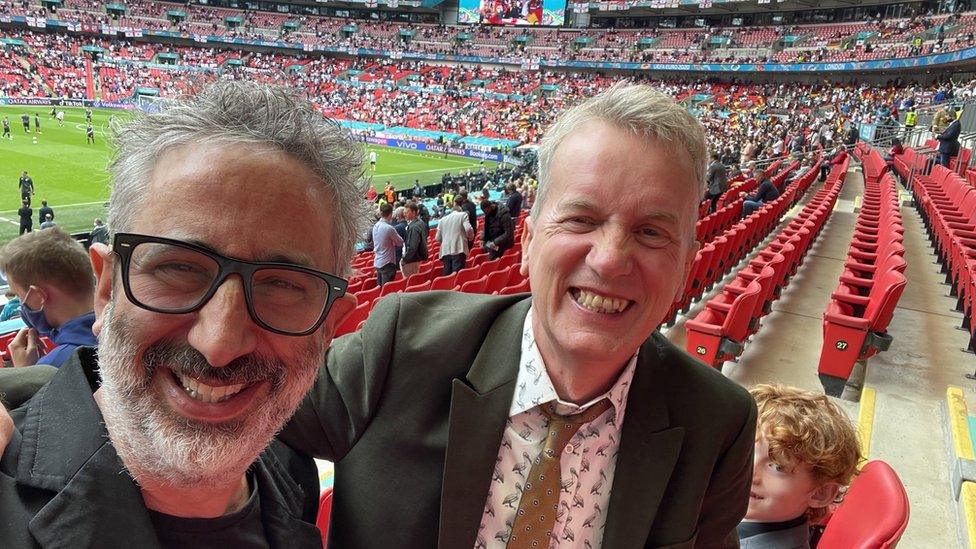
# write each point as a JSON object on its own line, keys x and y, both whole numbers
{"x": 838, "y": 156}
{"x": 44, "y": 212}
{"x": 454, "y": 232}
{"x": 98, "y": 234}
{"x": 418, "y": 191}
{"x": 468, "y": 207}
{"x": 48, "y": 223}
{"x": 806, "y": 454}
{"x": 499, "y": 232}
{"x": 11, "y": 308}
{"x": 513, "y": 199}
{"x": 371, "y": 194}
{"x": 26, "y": 214}
{"x": 717, "y": 179}
{"x": 949, "y": 138}
{"x": 415, "y": 243}
{"x": 896, "y": 149}
{"x": 400, "y": 226}
{"x": 49, "y": 271}
{"x": 385, "y": 243}
{"x": 767, "y": 192}
{"x": 852, "y": 135}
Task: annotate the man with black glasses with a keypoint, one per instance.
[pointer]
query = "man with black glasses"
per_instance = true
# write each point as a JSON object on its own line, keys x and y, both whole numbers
{"x": 209, "y": 336}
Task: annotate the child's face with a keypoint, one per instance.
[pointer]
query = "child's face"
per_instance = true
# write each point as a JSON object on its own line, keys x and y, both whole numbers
{"x": 779, "y": 493}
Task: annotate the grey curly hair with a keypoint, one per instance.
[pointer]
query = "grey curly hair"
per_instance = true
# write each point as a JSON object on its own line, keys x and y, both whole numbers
{"x": 236, "y": 112}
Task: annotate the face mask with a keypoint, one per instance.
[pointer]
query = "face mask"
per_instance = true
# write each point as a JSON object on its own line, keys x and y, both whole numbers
{"x": 34, "y": 318}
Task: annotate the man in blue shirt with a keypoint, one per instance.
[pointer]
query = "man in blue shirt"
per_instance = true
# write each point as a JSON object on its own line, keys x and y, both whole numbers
{"x": 51, "y": 274}
{"x": 386, "y": 241}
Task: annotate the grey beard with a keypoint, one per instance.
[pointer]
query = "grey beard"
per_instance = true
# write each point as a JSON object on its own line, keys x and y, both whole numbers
{"x": 156, "y": 444}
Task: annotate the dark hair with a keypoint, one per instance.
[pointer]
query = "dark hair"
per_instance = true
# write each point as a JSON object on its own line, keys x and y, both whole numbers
{"x": 413, "y": 207}
{"x": 386, "y": 210}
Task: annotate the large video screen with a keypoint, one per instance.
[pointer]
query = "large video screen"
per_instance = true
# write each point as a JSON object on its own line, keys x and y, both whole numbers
{"x": 513, "y": 12}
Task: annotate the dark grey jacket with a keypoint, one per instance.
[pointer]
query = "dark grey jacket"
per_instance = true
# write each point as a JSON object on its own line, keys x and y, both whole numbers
{"x": 717, "y": 178}
{"x": 414, "y": 431}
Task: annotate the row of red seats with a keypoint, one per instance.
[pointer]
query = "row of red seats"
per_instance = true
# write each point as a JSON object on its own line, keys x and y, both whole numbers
{"x": 856, "y": 321}
{"x": 717, "y": 257}
{"x": 947, "y": 204}
{"x": 719, "y": 332}
{"x": 501, "y": 276}
{"x": 362, "y": 264}
{"x": 730, "y": 203}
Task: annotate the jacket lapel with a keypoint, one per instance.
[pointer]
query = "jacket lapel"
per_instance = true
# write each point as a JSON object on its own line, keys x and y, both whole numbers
{"x": 100, "y": 507}
{"x": 648, "y": 452}
{"x": 65, "y": 449}
{"x": 479, "y": 408}
{"x": 281, "y": 505}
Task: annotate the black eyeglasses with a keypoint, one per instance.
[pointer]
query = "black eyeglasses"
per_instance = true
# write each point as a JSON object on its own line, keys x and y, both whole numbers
{"x": 170, "y": 276}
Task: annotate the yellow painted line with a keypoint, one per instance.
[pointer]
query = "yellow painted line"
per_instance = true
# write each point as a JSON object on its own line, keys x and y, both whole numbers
{"x": 968, "y": 499}
{"x": 865, "y": 421}
{"x": 959, "y": 423}
{"x": 857, "y": 203}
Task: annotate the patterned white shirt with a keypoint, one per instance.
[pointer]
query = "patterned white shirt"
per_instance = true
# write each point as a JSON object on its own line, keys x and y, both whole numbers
{"x": 586, "y": 467}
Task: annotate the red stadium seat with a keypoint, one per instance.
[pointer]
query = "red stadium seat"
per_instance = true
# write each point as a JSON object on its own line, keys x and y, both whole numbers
{"x": 874, "y": 512}
{"x": 717, "y": 334}
{"x": 325, "y": 513}
{"x": 520, "y": 288}
{"x": 444, "y": 282}
{"x": 476, "y": 286}
{"x": 855, "y": 327}
{"x": 369, "y": 296}
{"x": 397, "y": 285}
{"x": 497, "y": 280}
{"x": 421, "y": 287}
{"x": 358, "y": 315}
{"x": 420, "y": 277}
{"x": 466, "y": 275}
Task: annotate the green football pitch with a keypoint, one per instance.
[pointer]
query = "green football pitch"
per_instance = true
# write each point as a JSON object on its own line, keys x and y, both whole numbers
{"x": 70, "y": 173}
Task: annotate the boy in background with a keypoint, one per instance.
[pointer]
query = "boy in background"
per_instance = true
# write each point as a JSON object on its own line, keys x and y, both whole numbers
{"x": 807, "y": 453}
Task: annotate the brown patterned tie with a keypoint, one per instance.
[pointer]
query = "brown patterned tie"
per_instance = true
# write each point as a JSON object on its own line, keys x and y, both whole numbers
{"x": 537, "y": 510}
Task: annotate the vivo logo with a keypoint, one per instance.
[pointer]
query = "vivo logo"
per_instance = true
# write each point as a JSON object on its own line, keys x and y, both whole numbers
{"x": 406, "y": 145}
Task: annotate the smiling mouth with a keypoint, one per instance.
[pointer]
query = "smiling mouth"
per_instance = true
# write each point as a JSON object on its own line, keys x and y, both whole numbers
{"x": 202, "y": 392}
{"x": 597, "y": 303}
{"x": 754, "y": 495}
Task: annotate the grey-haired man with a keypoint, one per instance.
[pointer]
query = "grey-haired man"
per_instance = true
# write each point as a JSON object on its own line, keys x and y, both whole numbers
{"x": 209, "y": 336}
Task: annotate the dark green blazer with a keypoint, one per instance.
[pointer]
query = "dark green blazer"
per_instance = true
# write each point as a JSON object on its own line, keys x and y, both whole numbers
{"x": 412, "y": 408}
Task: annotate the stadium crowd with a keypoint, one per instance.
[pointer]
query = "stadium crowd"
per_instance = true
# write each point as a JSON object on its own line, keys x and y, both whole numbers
{"x": 466, "y": 101}
{"x": 875, "y": 38}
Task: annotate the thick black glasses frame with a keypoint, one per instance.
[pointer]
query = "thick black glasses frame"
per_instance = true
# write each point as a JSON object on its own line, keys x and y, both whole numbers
{"x": 124, "y": 243}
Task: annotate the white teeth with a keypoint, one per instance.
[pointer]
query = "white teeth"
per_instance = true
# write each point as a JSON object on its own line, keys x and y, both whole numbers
{"x": 206, "y": 393}
{"x": 600, "y": 304}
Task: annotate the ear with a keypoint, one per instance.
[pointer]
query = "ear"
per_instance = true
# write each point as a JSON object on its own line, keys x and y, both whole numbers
{"x": 824, "y": 495}
{"x": 103, "y": 262}
{"x": 526, "y": 240}
{"x": 341, "y": 309}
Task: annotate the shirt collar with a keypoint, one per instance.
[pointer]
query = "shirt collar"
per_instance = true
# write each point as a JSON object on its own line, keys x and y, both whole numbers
{"x": 534, "y": 386}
